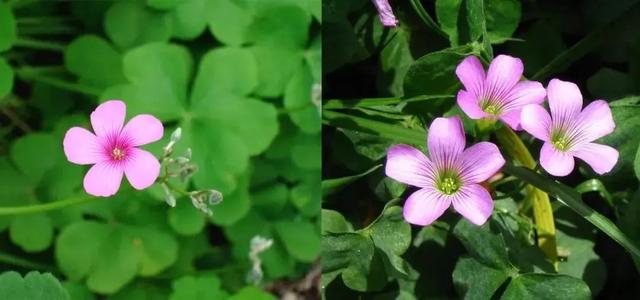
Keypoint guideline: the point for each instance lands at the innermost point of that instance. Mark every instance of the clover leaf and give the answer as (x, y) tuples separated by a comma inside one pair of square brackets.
[(33, 286), (7, 27)]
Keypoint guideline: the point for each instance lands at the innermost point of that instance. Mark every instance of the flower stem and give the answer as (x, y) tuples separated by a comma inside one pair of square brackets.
[(59, 83), (542, 211), (176, 189), (13, 260), (38, 44), (31, 209)]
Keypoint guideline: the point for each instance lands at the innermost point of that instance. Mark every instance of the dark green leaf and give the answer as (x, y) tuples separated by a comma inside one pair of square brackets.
[(546, 286)]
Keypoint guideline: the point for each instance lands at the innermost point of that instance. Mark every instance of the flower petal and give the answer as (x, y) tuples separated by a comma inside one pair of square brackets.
[(471, 73), (601, 158), (143, 129), (386, 13), (409, 165), (142, 168), (107, 119), (596, 121), (557, 163), (565, 100), (103, 179), (512, 118), (468, 102), (503, 74), (82, 147), (480, 161), (446, 139), (535, 120), (474, 203), (425, 206), (526, 92)]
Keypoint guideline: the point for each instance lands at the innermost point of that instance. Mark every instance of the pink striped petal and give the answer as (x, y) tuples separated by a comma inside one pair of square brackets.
[(103, 179), (143, 129), (107, 119), (425, 206), (474, 203), (596, 120), (409, 165), (82, 147), (468, 102), (536, 121), (480, 161), (471, 73), (601, 158), (557, 163), (446, 139), (512, 118), (526, 92), (142, 168), (503, 74), (565, 100)]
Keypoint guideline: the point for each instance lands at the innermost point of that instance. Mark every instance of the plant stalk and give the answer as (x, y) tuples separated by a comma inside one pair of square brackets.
[(542, 211), (31, 209)]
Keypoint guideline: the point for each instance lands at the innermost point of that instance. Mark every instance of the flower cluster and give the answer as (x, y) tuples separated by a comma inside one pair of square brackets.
[(451, 175)]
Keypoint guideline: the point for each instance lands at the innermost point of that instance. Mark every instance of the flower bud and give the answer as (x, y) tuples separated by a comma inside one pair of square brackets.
[(168, 196)]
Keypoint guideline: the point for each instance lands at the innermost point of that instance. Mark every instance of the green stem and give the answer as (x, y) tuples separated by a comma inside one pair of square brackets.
[(44, 30), (542, 211), (426, 18), (13, 260), (41, 20), (573, 200), (38, 44), (176, 189), (377, 128), (61, 84), (15, 119), (31, 209), (369, 102)]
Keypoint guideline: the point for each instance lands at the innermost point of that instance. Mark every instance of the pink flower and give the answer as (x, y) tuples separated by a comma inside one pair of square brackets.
[(570, 132), (452, 175), (386, 13), (499, 94), (113, 149)]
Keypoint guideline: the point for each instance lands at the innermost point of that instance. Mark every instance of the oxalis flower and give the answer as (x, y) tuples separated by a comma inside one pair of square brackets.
[(450, 176), (498, 94), (113, 151), (386, 13), (569, 132)]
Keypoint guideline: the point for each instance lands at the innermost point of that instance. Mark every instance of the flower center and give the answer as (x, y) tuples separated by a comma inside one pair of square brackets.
[(117, 154), (489, 107), (448, 183), (560, 141)]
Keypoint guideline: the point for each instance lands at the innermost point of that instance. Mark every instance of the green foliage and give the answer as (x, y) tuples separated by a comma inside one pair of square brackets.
[(7, 27), (34, 286), (197, 288)]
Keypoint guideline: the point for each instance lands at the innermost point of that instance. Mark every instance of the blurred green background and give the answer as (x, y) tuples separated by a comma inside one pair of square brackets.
[(240, 77)]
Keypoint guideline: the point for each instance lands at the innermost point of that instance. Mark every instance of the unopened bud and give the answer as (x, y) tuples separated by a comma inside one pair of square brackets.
[(175, 137), (202, 200), (168, 196), (258, 245)]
